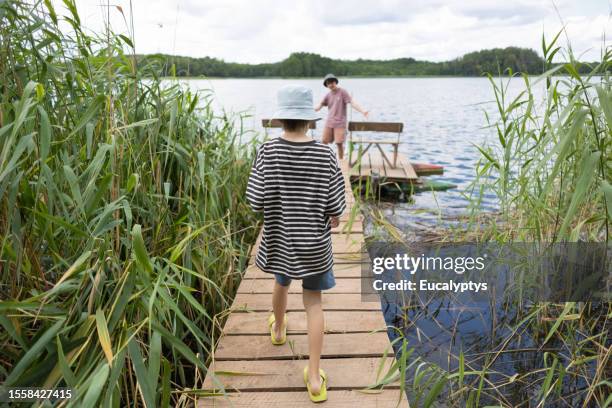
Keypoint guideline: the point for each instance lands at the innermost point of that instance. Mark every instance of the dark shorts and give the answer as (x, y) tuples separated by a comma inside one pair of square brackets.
[(322, 281)]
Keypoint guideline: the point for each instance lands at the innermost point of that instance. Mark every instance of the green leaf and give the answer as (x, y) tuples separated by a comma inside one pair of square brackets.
[(132, 182), (568, 307), (154, 357), (95, 387), (177, 344), (104, 336), (606, 189), (146, 389), (605, 100), (45, 134), (144, 122), (88, 115), (75, 267), (587, 174), (30, 356), (435, 391), (140, 251), (73, 183), (67, 373)]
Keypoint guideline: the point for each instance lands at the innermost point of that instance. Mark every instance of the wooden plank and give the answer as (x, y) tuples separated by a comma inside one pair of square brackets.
[(376, 141), (395, 127), (356, 338), (258, 302), (299, 399), (341, 270), (378, 165), (343, 285), (349, 243), (361, 163), (344, 165), (408, 169), (403, 171), (360, 155), (286, 375), (346, 321), (343, 227), (427, 169), (347, 215), (335, 345)]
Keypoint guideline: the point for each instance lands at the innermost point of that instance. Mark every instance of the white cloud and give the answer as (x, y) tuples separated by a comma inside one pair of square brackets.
[(269, 30)]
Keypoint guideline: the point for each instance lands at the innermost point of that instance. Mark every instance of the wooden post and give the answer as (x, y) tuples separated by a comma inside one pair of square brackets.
[(396, 147)]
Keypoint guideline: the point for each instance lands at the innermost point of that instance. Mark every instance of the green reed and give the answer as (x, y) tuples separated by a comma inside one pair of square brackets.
[(123, 224), (550, 169)]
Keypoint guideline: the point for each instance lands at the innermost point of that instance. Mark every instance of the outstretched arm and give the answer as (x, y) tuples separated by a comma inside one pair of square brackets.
[(358, 108), (320, 105)]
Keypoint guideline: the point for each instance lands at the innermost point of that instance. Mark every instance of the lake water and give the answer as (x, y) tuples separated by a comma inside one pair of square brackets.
[(443, 119)]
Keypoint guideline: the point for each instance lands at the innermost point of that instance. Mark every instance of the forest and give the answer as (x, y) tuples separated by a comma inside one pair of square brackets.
[(302, 64)]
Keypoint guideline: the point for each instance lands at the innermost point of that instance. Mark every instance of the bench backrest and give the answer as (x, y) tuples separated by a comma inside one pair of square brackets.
[(275, 123), (392, 127)]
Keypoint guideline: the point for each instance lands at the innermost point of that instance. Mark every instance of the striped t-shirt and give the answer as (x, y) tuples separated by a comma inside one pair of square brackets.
[(298, 186)]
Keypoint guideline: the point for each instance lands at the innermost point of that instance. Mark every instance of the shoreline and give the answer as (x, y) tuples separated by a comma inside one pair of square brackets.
[(361, 77)]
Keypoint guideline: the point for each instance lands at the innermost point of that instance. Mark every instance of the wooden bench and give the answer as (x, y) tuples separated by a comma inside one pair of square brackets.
[(275, 123), (388, 127)]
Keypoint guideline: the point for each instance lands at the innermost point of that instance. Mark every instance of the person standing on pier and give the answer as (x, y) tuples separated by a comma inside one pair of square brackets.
[(336, 100), (298, 184)]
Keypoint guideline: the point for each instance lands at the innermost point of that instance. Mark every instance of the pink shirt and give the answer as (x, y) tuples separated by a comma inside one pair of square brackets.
[(336, 107)]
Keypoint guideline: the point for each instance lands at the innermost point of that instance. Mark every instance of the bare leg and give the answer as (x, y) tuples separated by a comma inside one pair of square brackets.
[(340, 150), (279, 305), (314, 316)]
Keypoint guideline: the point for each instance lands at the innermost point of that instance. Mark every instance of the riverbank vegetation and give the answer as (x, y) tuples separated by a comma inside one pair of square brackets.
[(302, 64), (550, 169), (123, 229)]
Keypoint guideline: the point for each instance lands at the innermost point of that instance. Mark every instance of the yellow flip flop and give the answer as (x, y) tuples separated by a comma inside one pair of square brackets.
[(322, 395), (283, 339)]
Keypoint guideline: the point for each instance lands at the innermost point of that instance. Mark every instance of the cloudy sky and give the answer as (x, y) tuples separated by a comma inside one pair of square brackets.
[(269, 30)]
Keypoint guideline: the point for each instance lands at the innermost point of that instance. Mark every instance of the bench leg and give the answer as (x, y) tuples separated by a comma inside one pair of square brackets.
[(360, 155), (395, 147)]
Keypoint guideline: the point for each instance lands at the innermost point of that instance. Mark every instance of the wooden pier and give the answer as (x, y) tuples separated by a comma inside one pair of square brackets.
[(255, 373), (372, 164)]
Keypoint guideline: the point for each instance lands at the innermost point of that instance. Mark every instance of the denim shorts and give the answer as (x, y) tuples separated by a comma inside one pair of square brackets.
[(322, 281)]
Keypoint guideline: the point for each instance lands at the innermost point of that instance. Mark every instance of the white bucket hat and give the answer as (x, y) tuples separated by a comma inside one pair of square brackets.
[(295, 102)]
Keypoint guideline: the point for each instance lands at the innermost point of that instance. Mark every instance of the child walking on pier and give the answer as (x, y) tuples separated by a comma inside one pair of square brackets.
[(297, 182), (336, 100)]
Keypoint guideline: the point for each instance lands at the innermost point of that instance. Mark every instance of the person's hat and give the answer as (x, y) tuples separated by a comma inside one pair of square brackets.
[(328, 77), (295, 102)]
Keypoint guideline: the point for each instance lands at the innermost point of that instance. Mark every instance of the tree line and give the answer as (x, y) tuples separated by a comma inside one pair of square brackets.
[(303, 64)]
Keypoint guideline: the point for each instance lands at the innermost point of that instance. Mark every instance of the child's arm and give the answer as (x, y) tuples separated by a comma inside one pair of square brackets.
[(321, 104), (255, 186), (335, 221), (336, 202), (358, 108)]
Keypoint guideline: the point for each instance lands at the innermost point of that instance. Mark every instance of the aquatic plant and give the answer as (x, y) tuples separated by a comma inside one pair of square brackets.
[(550, 169), (122, 229)]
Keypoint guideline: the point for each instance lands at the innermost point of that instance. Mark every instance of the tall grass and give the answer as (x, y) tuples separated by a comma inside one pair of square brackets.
[(122, 225), (550, 168)]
